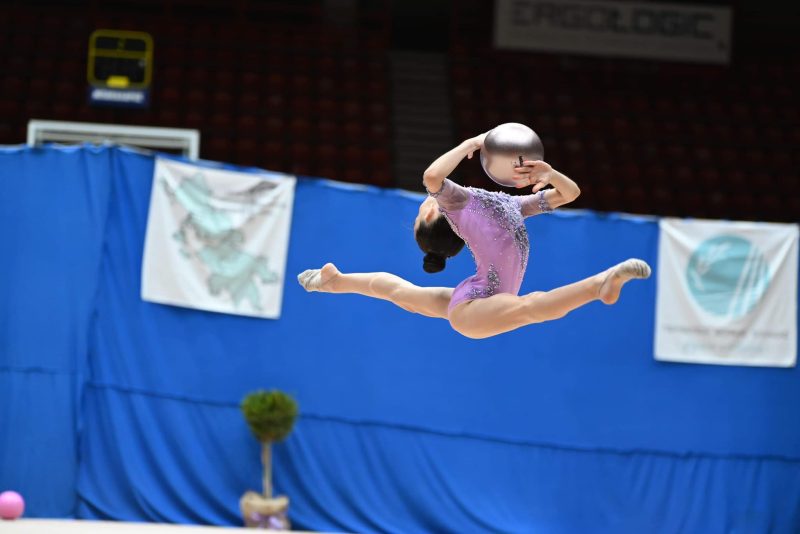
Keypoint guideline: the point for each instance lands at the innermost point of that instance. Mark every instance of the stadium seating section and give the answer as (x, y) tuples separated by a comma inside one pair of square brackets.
[(280, 88)]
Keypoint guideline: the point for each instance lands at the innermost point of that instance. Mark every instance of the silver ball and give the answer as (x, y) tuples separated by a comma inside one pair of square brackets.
[(504, 146)]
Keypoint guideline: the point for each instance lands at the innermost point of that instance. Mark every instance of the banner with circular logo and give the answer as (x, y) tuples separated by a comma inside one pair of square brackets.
[(727, 293)]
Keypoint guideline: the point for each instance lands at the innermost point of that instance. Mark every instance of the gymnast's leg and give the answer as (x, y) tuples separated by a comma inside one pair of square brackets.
[(429, 301), (481, 318)]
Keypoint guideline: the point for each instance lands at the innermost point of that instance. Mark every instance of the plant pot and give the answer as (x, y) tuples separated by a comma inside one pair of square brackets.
[(261, 512)]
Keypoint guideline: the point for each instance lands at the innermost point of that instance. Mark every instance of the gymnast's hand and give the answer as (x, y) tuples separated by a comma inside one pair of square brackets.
[(476, 143), (536, 173)]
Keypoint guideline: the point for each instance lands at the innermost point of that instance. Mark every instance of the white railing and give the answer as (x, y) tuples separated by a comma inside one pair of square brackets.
[(186, 140)]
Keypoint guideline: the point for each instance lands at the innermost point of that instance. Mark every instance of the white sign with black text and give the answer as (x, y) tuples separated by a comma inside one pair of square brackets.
[(663, 31)]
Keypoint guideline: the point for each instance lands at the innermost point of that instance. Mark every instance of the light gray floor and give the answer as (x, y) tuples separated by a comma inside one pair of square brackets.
[(53, 526)]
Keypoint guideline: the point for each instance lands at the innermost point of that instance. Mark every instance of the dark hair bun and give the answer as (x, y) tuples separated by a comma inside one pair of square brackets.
[(433, 263)]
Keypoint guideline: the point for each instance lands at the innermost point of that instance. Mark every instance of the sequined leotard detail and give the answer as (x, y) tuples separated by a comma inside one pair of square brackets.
[(493, 227)]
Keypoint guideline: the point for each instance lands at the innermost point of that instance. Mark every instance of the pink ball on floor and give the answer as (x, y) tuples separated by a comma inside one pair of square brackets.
[(11, 505)]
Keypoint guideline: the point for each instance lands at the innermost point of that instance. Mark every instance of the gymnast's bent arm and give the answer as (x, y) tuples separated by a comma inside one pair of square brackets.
[(434, 175), (540, 174)]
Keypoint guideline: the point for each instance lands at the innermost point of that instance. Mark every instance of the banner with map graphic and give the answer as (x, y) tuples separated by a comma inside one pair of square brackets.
[(727, 293), (217, 239)]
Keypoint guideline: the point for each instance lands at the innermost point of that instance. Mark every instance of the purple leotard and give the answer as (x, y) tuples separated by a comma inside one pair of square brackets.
[(493, 227)]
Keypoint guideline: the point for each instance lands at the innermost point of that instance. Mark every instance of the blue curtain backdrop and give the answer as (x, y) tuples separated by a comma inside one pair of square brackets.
[(114, 408)]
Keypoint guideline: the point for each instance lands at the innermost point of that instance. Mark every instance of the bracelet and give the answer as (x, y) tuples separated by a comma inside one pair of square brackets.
[(437, 193), (544, 207)]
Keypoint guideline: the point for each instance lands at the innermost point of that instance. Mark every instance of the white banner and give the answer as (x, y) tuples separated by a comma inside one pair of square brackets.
[(727, 293), (216, 239), (606, 28)]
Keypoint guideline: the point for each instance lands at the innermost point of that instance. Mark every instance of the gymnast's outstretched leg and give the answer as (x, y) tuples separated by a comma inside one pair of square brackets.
[(429, 301), (481, 318)]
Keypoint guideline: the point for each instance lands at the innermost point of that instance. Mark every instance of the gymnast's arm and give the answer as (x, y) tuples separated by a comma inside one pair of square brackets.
[(434, 175), (540, 174)]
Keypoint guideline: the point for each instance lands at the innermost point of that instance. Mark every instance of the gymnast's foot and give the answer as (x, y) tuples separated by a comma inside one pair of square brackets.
[(613, 279), (319, 279)]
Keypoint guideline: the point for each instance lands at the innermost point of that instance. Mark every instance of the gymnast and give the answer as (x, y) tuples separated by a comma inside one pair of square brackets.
[(492, 225)]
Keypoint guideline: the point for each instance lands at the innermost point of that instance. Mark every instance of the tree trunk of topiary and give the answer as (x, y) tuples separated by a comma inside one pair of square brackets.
[(266, 460)]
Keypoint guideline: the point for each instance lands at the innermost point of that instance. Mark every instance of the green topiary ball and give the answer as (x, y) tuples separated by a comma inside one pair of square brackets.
[(270, 414)]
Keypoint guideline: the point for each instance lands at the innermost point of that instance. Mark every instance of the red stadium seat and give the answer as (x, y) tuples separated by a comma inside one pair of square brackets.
[(224, 56), (792, 207), (693, 203), (737, 179), (8, 109), (221, 122), (325, 86), (168, 116), (273, 155), (325, 152), (197, 78), (248, 102), (328, 131), (13, 86), (172, 56), (40, 88), (664, 200), (327, 65), (275, 128), (609, 197), (327, 108), (378, 111), (251, 82), (222, 101), (353, 132), (355, 175), (727, 157), (247, 125), (380, 176), (379, 158), (195, 118), (351, 109), (770, 207), (168, 97), (709, 179), (248, 151), (761, 180), (217, 148), (224, 80), (741, 111), (637, 200), (753, 158), (327, 169), (196, 99), (300, 152), (743, 206), (629, 173), (276, 104), (789, 183), (302, 105), (773, 135), (301, 85), (353, 156), (300, 129), (171, 75), (276, 82)]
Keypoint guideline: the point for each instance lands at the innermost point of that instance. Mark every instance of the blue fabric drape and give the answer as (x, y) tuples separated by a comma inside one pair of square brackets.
[(569, 426), (53, 205)]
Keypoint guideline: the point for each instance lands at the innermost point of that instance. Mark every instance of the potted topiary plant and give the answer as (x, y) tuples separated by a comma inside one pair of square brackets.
[(271, 416)]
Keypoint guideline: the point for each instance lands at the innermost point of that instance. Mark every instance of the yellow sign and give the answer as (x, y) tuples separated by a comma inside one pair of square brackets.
[(120, 59)]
